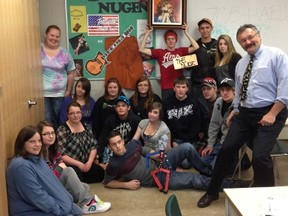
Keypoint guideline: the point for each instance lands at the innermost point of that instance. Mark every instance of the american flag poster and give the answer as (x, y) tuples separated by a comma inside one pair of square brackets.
[(103, 25)]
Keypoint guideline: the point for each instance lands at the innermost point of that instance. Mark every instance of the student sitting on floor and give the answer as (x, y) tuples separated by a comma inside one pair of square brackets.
[(79, 190), (32, 188), (128, 163)]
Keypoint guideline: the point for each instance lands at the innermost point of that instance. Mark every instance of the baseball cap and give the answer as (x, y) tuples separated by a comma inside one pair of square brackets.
[(207, 20), (124, 99), (227, 82), (209, 81)]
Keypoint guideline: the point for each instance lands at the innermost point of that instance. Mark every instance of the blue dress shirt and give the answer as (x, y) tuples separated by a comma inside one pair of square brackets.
[(269, 78)]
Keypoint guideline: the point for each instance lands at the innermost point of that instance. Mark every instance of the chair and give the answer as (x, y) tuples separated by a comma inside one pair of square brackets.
[(172, 207), (241, 154), (280, 149)]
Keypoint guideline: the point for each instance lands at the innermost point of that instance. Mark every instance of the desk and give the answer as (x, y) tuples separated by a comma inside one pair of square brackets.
[(260, 201)]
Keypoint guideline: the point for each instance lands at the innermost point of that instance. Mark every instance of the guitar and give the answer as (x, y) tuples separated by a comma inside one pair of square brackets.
[(95, 66)]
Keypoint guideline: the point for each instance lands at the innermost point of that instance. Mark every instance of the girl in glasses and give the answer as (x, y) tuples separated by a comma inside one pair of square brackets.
[(143, 97), (32, 187), (67, 176)]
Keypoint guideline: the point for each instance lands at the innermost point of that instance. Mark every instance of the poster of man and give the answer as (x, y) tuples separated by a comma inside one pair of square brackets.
[(167, 11)]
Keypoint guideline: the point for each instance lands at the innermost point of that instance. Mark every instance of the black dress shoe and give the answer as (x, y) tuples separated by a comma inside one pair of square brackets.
[(206, 200)]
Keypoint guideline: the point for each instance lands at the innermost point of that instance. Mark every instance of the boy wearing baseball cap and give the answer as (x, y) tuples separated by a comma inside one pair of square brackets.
[(221, 111), (165, 57), (205, 56), (124, 121), (206, 103)]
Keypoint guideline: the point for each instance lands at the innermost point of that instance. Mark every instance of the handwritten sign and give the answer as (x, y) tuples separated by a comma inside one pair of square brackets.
[(185, 62)]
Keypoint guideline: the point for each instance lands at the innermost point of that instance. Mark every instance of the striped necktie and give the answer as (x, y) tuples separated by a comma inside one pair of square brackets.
[(246, 78)]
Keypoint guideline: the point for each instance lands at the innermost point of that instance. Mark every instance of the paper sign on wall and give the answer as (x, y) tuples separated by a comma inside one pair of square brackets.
[(185, 62)]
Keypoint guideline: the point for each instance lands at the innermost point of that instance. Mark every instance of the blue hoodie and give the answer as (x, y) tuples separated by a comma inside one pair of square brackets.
[(33, 189)]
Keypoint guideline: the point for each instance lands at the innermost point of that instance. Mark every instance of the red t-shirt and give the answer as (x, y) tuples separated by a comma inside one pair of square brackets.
[(165, 61)]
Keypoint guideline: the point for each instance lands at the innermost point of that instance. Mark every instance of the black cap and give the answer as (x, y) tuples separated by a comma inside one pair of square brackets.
[(227, 82)]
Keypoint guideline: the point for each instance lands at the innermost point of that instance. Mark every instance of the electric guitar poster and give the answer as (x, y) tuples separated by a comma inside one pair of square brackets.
[(95, 66)]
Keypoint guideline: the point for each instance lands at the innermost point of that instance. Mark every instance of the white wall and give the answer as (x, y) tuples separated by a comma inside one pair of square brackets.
[(52, 12)]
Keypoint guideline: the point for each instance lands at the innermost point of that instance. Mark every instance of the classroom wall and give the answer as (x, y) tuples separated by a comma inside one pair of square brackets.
[(271, 17)]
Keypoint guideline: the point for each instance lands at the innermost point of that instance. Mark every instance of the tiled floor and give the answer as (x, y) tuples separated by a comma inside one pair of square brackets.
[(149, 201)]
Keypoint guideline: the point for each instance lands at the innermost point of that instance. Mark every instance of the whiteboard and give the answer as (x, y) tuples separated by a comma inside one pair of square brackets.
[(270, 17)]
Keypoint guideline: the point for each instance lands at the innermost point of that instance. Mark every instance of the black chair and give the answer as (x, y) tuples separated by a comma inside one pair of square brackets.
[(172, 207), (280, 149)]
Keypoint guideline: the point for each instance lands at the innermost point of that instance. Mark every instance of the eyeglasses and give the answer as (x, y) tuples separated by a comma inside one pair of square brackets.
[(250, 37), (143, 85), (49, 133), (75, 113)]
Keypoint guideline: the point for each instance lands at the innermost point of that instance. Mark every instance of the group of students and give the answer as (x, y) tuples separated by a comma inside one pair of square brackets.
[(40, 183), (108, 140), (71, 150)]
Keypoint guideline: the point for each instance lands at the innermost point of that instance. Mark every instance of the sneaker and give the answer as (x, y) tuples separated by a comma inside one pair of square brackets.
[(96, 206)]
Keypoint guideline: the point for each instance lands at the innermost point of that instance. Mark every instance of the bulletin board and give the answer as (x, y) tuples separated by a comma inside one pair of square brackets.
[(96, 28)]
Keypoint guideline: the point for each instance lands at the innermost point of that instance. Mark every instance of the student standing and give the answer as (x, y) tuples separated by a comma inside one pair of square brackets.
[(58, 72), (260, 110), (226, 59), (165, 57), (205, 56)]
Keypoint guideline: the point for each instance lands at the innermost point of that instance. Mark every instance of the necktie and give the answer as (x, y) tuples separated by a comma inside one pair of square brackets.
[(246, 78)]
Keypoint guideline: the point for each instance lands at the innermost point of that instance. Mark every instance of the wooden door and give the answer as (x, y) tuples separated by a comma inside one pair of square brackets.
[(20, 78)]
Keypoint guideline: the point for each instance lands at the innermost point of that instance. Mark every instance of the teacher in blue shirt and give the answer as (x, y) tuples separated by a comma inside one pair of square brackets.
[(260, 110)]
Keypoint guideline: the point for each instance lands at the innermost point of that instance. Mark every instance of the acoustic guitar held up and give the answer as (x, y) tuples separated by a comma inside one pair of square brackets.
[(95, 66)]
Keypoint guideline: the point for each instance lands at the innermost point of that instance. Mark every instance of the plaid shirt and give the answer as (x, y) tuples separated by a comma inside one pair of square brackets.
[(76, 145)]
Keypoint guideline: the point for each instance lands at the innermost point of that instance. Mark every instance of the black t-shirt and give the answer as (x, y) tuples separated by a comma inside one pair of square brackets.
[(225, 107), (206, 60)]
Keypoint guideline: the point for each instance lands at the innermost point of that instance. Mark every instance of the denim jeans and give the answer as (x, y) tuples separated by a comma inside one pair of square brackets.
[(52, 109), (211, 158), (182, 180), (185, 164)]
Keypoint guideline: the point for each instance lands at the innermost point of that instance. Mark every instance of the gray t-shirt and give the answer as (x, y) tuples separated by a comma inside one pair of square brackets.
[(158, 141)]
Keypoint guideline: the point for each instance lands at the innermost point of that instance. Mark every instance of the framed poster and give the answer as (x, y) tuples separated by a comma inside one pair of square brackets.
[(167, 13)]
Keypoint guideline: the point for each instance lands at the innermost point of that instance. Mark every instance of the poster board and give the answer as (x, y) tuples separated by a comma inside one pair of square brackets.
[(91, 22)]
